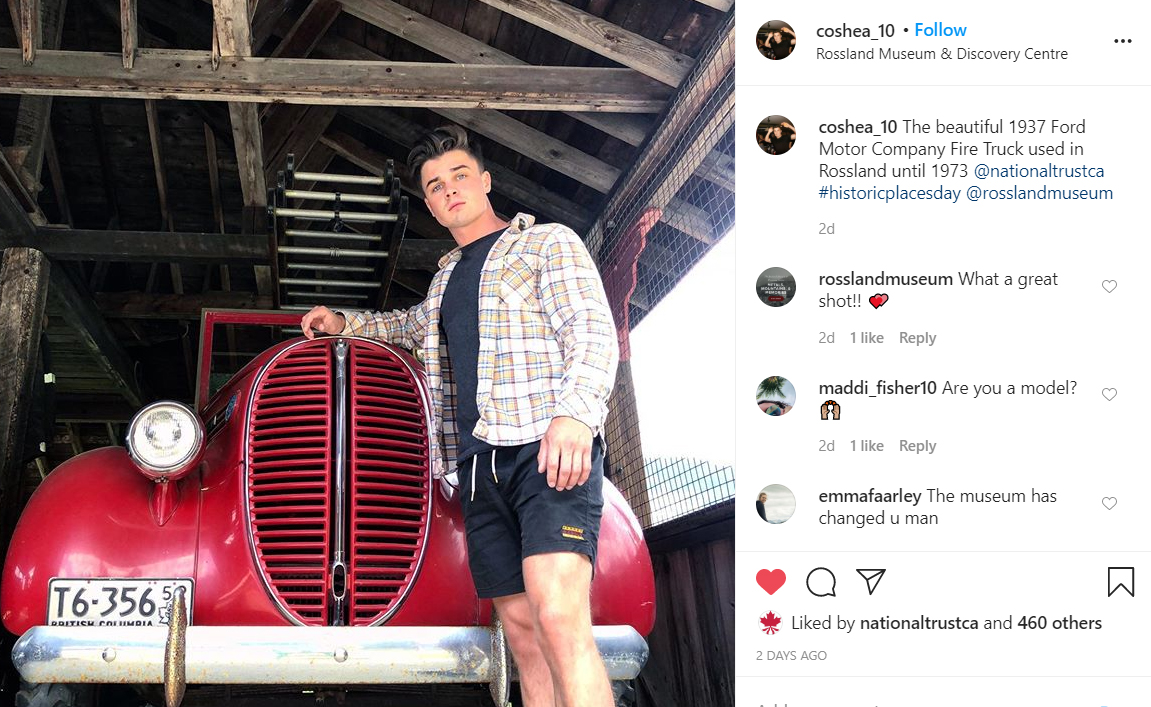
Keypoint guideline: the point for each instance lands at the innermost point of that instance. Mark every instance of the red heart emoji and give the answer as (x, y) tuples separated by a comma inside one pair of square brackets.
[(878, 301), (770, 580)]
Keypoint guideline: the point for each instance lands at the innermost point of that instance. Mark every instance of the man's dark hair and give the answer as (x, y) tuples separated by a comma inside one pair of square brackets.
[(436, 142)]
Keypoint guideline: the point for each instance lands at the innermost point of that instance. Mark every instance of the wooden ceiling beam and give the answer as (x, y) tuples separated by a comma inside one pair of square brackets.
[(187, 75), (141, 305), (460, 48), (602, 37), (142, 246)]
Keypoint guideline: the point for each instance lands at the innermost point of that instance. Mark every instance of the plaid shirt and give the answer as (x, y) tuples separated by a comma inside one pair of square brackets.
[(548, 345)]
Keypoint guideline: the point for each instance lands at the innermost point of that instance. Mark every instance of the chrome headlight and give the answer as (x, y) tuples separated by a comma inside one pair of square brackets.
[(166, 440)]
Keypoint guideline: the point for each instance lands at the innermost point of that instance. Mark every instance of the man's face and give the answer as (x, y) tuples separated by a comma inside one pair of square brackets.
[(455, 189), (762, 497), (777, 131)]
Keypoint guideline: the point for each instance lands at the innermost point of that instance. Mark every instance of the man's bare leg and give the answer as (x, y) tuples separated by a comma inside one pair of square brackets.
[(519, 627), (559, 593)]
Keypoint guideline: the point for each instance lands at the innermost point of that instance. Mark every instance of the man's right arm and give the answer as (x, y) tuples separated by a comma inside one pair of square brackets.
[(404, 327)]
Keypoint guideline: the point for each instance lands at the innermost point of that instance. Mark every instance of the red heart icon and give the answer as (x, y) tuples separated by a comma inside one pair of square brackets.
[(770, 580), (878, 301)]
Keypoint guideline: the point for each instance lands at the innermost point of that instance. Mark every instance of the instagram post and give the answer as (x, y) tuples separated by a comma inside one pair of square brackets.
[(390, 352), (370, 352)]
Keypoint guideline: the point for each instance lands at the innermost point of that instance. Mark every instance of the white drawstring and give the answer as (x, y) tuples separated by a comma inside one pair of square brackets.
[(474, 458)]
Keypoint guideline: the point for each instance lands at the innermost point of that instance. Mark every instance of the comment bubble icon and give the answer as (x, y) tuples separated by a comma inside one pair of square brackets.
[(821, 582)]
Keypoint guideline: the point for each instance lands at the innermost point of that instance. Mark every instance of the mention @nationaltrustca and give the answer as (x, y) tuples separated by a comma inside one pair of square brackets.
[(962, 53)]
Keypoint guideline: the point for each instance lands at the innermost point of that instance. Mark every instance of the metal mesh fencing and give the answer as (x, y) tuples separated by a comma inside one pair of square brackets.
[(661, 219)]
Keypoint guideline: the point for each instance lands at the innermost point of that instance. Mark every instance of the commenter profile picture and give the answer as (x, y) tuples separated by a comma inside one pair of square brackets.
[(775, 396), (775, 287), (775, 134), (775, 40), (775, 504)]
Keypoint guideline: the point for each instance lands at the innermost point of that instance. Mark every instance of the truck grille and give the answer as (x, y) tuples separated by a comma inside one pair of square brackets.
[(292, 481)]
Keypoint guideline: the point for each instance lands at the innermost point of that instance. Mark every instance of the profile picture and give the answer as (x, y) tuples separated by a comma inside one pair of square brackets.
[(775, 134), (775, 396), (775, 287), (775, 504), (775, 40)]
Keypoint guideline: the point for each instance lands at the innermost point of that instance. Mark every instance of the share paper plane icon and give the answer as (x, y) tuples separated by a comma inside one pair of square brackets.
[(872, 578)]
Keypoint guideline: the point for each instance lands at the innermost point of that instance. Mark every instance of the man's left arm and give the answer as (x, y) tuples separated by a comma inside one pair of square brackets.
[(572, 295)]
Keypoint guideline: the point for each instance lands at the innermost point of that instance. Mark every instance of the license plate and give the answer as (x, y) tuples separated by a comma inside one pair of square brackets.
[(114, 602)]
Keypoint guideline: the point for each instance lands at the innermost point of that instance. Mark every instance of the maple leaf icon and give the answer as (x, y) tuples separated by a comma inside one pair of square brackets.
[(770, 623)]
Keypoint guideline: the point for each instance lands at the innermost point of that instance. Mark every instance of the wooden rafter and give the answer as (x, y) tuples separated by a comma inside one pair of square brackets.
[(29, 30), (504, 180), (32, 118), (313, 22), (57, 176), (460, 48), (187, 75), (232, 43), (721, 5), (129, 34), (162, 186), (602, 37), (89, 326), (158, 163), (304, 132), (689, 132)]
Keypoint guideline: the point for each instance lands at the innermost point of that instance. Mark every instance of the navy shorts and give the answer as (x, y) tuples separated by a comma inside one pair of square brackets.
[(515, 514)]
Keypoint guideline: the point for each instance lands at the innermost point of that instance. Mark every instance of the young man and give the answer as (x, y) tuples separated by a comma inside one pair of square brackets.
[(520, 352)]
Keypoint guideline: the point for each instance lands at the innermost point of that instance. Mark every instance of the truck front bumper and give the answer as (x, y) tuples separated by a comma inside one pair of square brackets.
[(292, 654)]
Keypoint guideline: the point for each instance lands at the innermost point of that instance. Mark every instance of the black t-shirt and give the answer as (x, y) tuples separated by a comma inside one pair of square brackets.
[(782, 143), (460, 324)]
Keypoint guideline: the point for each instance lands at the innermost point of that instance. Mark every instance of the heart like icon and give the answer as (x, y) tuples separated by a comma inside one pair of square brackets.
[(1109, 502), (878, 301), (1110, 285), (770, 580), (1110, 393)]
